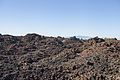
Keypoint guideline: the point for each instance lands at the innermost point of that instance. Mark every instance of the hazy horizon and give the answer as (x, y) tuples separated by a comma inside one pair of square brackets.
[(60, 17)]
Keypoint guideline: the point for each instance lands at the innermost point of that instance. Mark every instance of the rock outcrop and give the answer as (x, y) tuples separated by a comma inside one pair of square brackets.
[(36, 57)]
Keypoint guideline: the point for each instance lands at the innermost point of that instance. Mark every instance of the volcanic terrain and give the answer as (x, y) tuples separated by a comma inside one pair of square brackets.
[(36, 57)]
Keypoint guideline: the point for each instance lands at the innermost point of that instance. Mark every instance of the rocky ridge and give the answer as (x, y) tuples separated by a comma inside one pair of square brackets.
[(36, 57)]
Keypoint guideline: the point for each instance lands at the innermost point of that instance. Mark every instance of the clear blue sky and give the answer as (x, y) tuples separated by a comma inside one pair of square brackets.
[(60, 17)]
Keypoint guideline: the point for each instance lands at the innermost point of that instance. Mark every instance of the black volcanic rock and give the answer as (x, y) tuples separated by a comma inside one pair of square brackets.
[(36, 57)]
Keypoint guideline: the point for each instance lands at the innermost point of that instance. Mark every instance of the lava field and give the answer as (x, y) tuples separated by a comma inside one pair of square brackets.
[(37, 57)]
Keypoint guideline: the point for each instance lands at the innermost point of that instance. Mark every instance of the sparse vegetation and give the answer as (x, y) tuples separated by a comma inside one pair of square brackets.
[(110, 39)]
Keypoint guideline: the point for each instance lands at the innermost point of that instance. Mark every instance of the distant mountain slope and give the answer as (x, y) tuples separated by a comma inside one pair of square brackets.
[(80, 37), (83, 37)]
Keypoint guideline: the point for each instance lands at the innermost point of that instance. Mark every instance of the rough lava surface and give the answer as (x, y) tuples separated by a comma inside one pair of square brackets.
[(36, 57)]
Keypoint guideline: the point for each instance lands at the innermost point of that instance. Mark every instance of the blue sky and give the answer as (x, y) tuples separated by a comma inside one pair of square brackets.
[(60, 17)]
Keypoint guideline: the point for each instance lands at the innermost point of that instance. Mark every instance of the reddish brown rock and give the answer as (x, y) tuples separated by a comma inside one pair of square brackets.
[(36, 57)]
